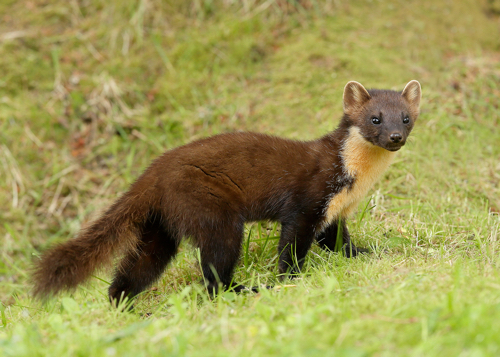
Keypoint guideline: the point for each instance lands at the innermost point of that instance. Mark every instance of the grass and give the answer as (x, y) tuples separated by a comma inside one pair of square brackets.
[(92, 91)]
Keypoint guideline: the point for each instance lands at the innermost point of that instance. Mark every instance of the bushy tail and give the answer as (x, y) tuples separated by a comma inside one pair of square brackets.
[(69, 264)]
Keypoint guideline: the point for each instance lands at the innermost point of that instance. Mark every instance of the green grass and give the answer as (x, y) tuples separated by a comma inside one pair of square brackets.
[(92, 91)]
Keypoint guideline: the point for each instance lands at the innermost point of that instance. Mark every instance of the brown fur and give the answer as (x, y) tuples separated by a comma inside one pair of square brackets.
[(207, 189)]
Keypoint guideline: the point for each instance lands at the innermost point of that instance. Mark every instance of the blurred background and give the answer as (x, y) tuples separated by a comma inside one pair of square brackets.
[(91, 91)]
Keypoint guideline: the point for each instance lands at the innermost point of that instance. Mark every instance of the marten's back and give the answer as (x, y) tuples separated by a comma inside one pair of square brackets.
[(249, 173)]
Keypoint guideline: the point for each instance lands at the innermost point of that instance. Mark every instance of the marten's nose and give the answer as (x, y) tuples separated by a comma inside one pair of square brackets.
[(396, 137)]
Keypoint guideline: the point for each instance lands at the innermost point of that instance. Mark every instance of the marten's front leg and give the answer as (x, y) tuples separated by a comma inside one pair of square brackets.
[(296, 238), (328, 239)]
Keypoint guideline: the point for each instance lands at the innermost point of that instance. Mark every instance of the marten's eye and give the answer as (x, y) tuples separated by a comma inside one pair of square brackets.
[(406, 119), (376, 120)]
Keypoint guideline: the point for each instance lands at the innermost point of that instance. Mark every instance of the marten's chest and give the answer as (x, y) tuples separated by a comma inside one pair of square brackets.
[(364, 163)]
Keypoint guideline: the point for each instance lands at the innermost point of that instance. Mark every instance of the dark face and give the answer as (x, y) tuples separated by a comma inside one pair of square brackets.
[(387, 120)]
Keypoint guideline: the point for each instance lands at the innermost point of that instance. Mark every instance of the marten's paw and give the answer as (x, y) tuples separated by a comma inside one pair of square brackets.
[(352, 251), (254, 289), (213, 289)]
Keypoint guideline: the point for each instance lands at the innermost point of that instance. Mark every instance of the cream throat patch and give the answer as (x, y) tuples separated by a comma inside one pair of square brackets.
[(364, 163)]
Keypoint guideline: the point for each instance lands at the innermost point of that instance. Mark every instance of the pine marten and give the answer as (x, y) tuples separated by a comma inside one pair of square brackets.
[(208, 189)]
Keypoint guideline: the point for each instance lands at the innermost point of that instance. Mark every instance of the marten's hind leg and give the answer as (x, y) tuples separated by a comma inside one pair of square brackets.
[(141, 268), (220, 251)]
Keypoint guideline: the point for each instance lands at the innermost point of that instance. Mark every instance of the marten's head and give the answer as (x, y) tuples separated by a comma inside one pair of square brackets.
[(384, 117)]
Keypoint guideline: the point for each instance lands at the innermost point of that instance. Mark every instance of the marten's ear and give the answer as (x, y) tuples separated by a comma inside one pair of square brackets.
[(412, 93), (355, 96)]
